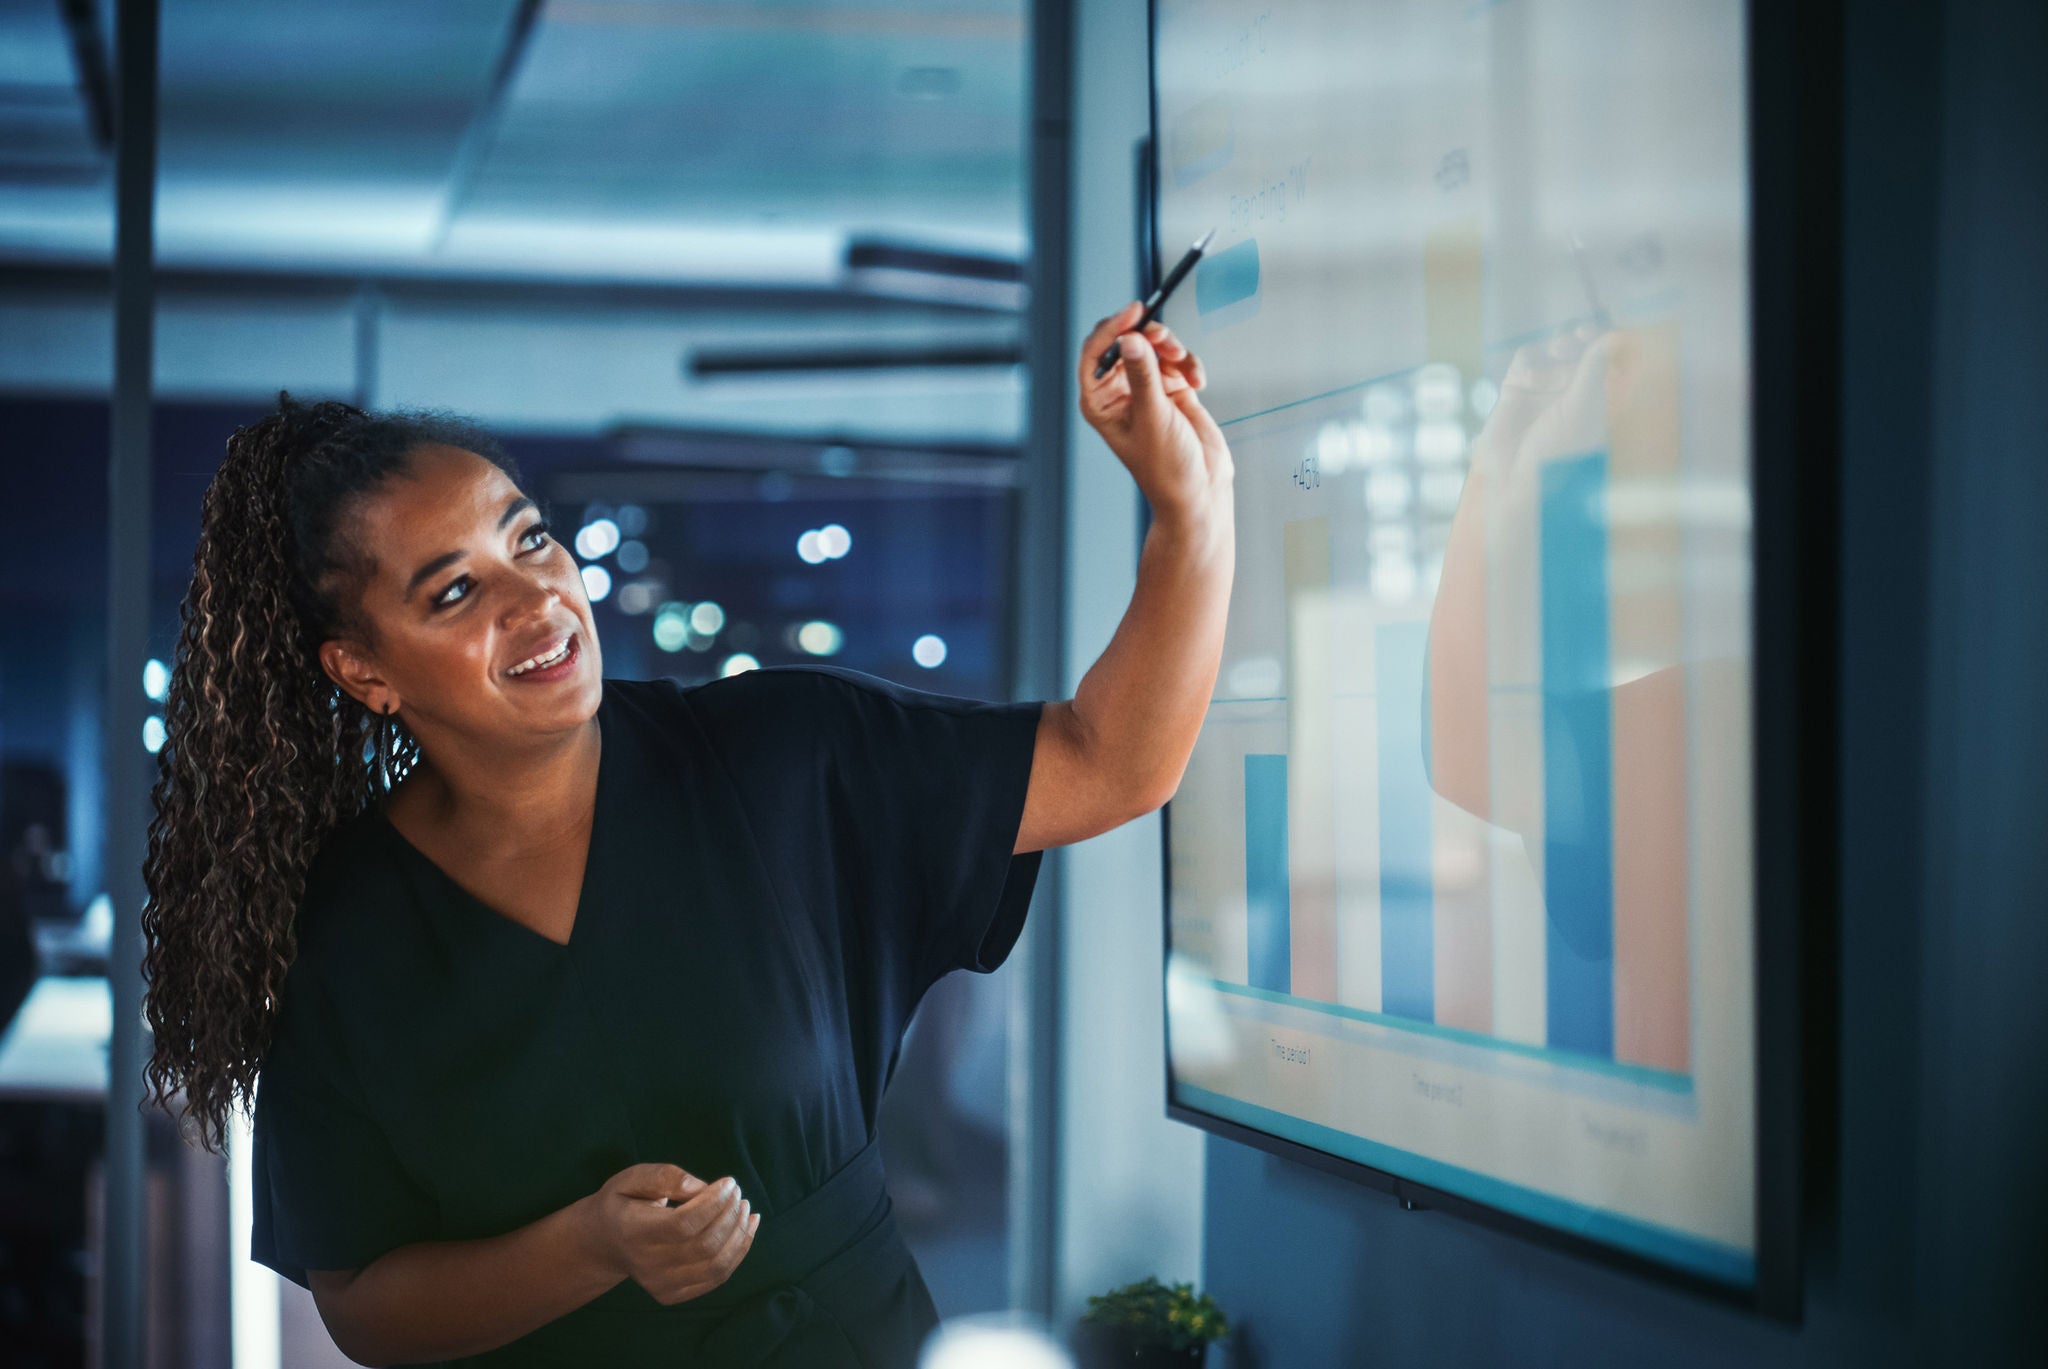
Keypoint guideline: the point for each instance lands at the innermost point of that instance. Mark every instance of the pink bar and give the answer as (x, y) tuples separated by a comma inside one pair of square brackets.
[(1312, 945), (1652, 995), (1458, 743), (1453, 269)]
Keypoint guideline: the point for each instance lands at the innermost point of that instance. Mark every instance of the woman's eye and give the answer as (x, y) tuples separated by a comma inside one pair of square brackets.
[(443, 600)]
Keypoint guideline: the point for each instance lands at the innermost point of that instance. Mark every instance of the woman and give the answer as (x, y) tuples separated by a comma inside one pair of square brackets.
[(573, 998)]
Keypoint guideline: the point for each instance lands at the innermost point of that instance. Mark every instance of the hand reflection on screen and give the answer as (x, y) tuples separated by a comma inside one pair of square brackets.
[(1562, 704), (1589, 391), (1555, 405)]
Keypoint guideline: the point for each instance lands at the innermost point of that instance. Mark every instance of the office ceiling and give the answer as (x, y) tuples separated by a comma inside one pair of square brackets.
[(712, 141)]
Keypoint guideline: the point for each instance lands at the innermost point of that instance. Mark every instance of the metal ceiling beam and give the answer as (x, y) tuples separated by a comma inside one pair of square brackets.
[(476, 139), (834, 454), (30, 277), (715, 362), (89, 57)]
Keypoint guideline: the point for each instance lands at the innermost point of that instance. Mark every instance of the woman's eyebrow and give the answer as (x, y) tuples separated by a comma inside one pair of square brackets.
[(519, 501)]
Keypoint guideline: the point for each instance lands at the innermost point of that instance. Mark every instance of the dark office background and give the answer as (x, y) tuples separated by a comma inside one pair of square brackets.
[(789, 388)]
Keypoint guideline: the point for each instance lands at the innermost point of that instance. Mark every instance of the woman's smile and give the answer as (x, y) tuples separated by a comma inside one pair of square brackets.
[(557, 662)]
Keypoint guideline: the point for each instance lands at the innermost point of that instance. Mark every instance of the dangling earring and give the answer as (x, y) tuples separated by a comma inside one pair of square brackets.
[(384, 748)]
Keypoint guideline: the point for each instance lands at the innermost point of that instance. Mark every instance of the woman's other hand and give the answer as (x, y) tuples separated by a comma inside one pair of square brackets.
[(675, 1253), (1147, 411)]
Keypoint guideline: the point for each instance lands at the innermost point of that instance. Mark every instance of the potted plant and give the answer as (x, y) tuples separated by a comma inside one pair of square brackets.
[(1149, 1325)]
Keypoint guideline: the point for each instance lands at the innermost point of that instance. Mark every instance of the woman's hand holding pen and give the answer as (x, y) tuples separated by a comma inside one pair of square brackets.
[(1147, 411), (1122, 742), (675, 1253)]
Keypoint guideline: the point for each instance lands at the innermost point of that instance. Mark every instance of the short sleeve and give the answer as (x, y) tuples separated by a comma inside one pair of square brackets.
[(327, 1187), (924, 795)]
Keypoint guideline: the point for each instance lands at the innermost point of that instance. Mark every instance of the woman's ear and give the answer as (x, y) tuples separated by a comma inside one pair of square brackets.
[(351, 668)]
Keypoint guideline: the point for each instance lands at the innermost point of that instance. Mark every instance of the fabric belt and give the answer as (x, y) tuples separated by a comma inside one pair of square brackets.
[(826, 1275)]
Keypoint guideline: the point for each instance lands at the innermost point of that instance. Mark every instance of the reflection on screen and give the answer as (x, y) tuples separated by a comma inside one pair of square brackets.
[(1460, 879)]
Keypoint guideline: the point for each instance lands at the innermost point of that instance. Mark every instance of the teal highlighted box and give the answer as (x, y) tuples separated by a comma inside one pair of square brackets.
[(1227, 277)]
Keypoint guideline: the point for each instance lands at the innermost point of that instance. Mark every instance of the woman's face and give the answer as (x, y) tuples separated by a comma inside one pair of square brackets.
[(464, 586)]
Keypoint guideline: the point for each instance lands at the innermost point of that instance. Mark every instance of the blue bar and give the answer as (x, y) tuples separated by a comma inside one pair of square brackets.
[(1224, 278), (1578, 760), (1268, 944), (1407, 874)]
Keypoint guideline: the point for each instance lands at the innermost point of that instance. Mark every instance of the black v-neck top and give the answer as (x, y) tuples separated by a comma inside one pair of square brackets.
[(781, 863)]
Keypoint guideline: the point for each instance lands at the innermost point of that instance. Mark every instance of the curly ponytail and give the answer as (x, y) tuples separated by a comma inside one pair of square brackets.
[(263, 754)]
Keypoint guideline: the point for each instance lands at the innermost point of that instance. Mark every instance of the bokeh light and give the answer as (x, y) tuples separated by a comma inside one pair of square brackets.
[(824, 544), (820, 638), (636, 596), (672, 626), (597, 539)]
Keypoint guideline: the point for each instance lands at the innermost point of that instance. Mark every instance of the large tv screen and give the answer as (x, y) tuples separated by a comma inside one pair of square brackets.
[(1460, 876)]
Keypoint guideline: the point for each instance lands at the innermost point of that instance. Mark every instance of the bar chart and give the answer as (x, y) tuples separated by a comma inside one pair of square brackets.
[(1365, 887)]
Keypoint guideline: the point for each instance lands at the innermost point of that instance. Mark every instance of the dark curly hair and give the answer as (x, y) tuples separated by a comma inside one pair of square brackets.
[(263, 754)]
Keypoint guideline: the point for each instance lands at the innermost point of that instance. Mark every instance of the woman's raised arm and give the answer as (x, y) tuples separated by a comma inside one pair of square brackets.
[(1119, 747)]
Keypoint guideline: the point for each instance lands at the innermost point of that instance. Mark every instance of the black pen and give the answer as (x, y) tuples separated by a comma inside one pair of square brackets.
[(1157, 301)]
